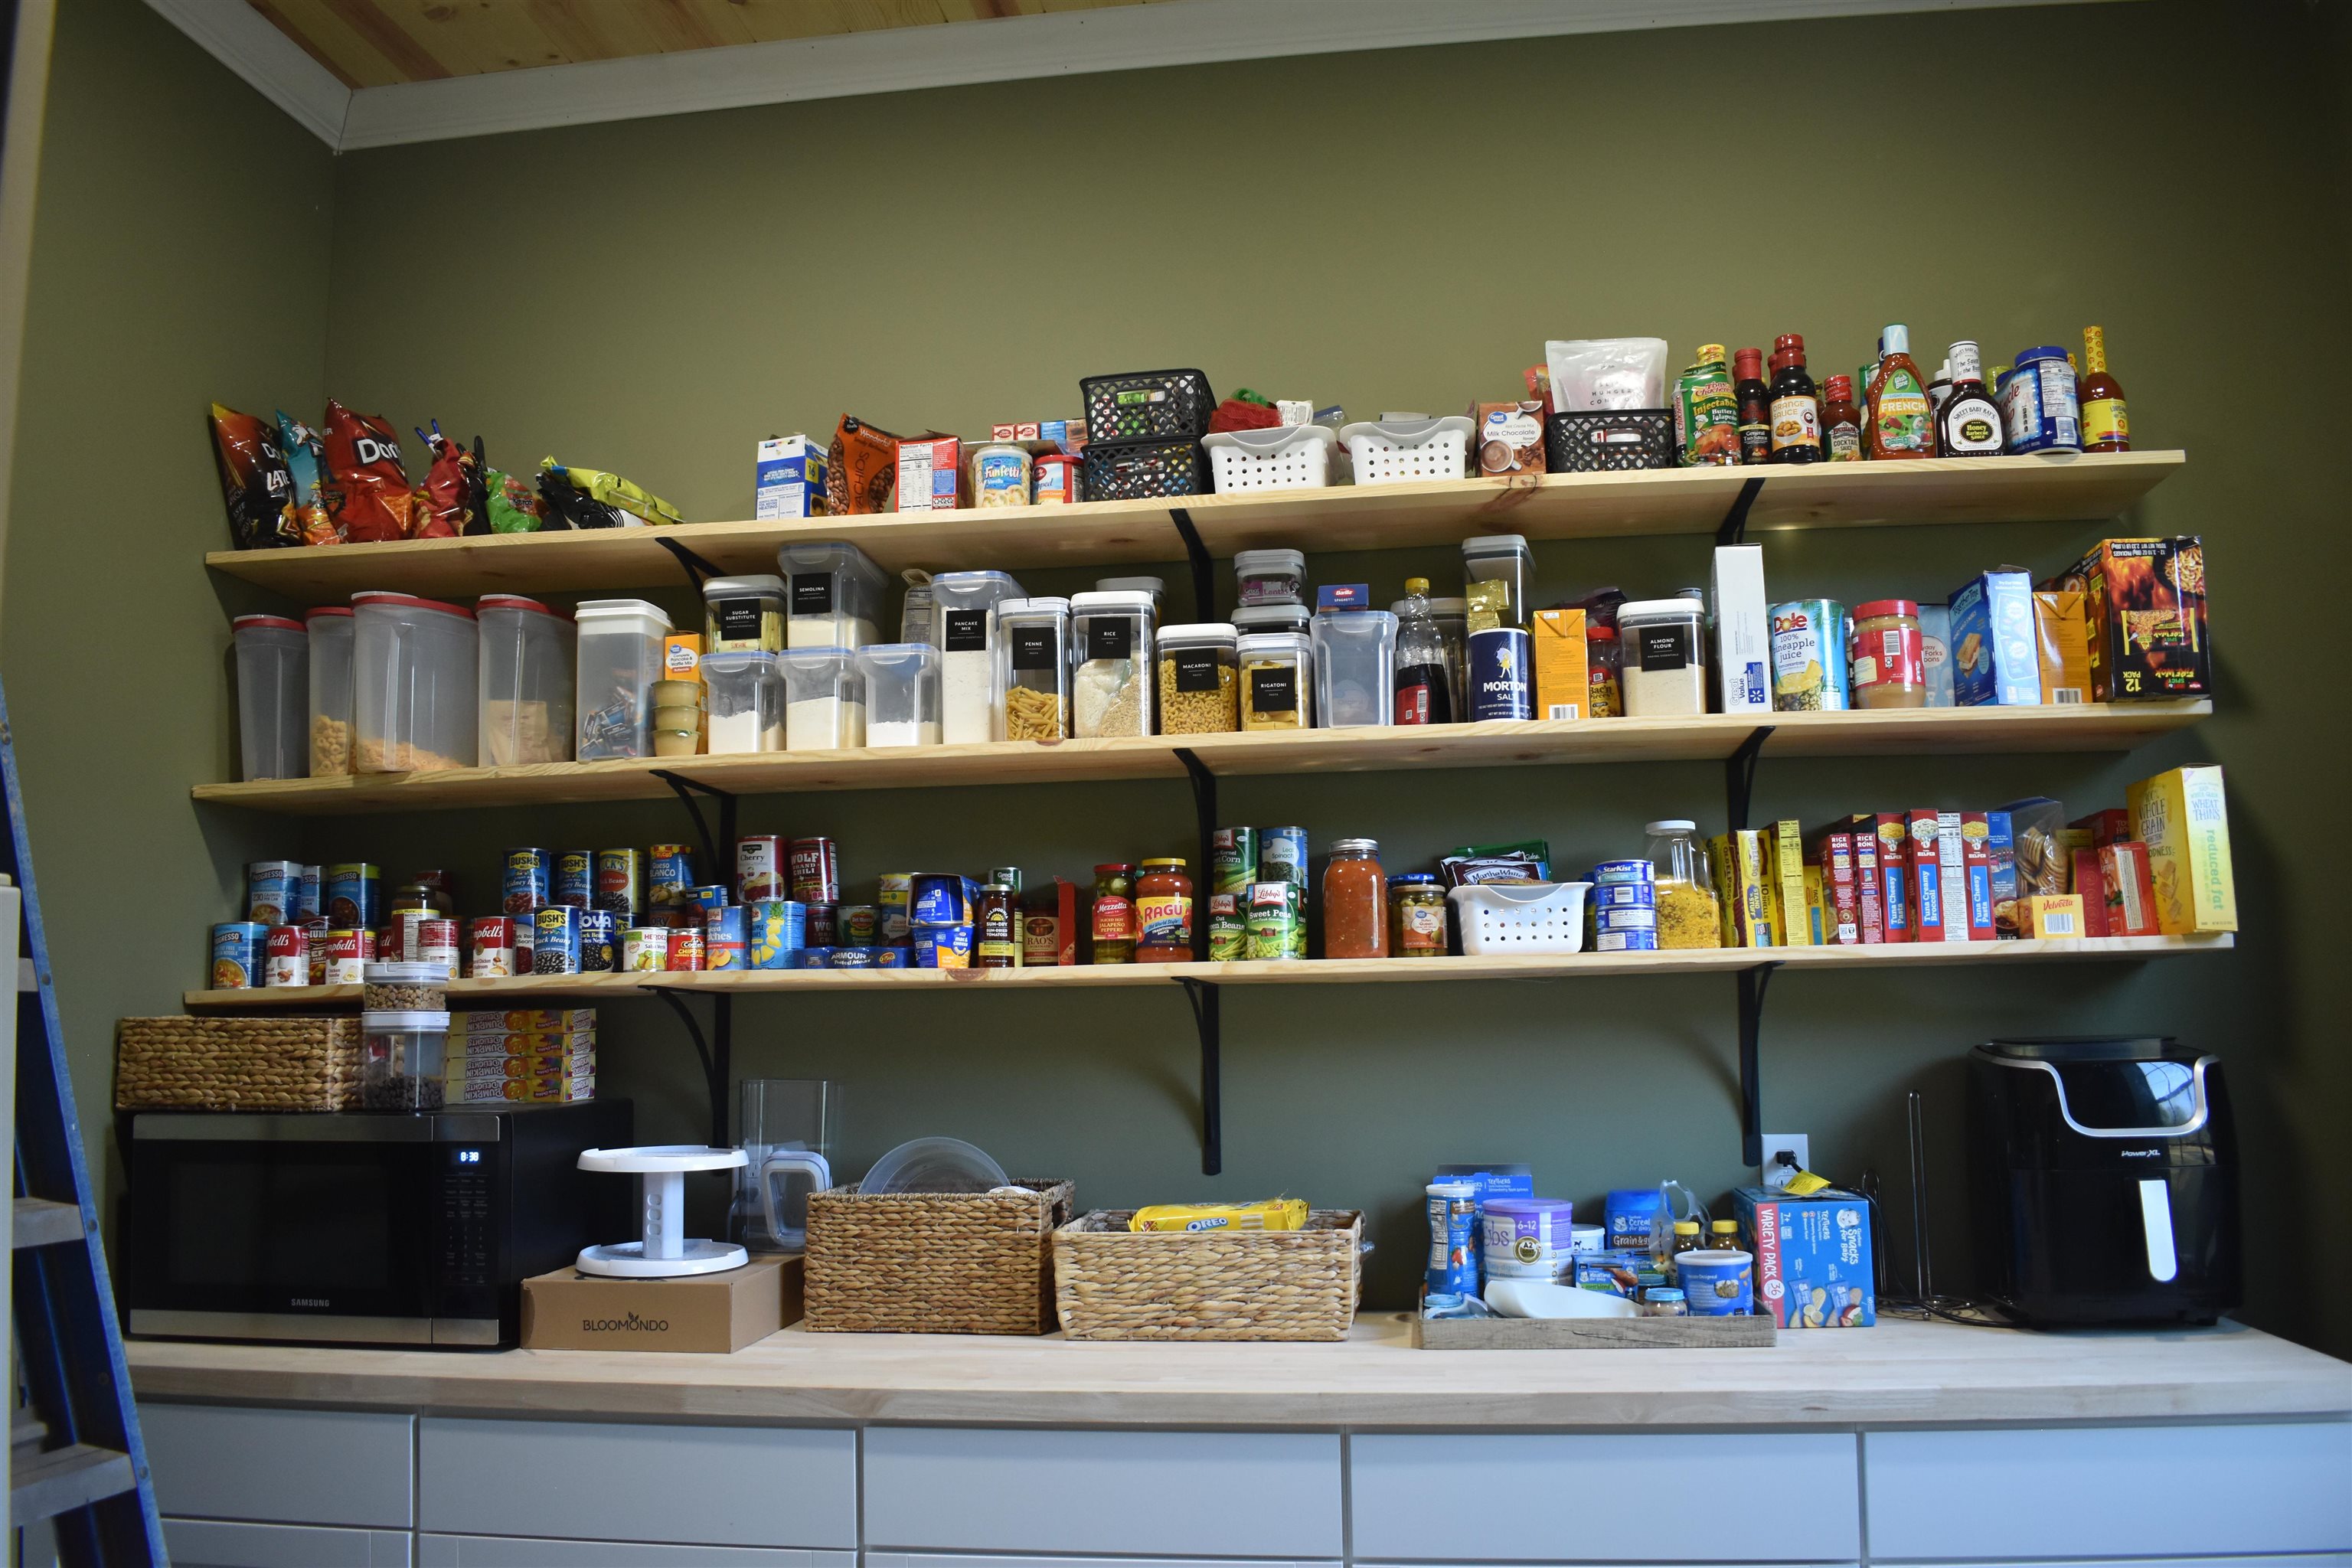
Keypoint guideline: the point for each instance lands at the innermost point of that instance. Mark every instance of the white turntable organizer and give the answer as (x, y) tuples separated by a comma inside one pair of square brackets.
[(664, 1252)]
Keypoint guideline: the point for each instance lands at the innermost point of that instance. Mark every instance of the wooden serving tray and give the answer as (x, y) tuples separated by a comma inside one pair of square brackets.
[(1590, 1334)]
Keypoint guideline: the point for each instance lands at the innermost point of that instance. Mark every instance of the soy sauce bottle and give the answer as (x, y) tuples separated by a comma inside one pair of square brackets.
[(1796, 403), (1755, 406)]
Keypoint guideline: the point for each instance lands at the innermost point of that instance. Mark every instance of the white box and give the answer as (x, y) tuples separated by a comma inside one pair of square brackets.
[(1743, 629), (790, 480)]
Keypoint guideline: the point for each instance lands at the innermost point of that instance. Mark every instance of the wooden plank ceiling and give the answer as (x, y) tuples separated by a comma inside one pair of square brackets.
[(378, 43)]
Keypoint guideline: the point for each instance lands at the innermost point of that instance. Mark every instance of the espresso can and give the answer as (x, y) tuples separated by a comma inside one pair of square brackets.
[(596, 929), (816, 870), (575, 878), (493, 947), (555, 941), (286, 951), (759, 868), (723, 932), (670, 871), (620, 881), (684, 948), (528, 884)]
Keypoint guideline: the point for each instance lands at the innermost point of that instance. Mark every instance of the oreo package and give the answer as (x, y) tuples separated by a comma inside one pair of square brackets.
[(255, 484), (305, 462), (368, 494)]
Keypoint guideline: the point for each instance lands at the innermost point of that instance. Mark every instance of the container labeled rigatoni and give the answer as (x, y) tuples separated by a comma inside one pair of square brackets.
[(1277, 680)]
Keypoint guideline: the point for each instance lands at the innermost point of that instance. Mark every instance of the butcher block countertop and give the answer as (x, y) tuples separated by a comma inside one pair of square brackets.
[(1898, 1373)]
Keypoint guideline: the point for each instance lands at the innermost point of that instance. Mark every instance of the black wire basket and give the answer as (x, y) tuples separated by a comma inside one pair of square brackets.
[(1146, 404), (1610, 441), (1142, 470)]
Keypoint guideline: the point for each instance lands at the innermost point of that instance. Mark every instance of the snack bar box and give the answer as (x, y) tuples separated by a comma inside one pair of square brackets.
[(1813, 1264)]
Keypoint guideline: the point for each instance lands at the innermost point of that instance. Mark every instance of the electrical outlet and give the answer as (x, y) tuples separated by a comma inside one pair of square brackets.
[(1796, 1145)]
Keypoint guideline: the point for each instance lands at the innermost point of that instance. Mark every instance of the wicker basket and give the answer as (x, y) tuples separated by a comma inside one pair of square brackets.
[(1111, 1283), (934, 1263), (275, 1063)]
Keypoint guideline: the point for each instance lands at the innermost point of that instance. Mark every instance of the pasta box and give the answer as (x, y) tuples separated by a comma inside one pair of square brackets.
[(1813, 1259)]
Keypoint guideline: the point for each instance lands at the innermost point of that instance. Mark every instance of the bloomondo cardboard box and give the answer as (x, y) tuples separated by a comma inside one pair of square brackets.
[(569, 1311)]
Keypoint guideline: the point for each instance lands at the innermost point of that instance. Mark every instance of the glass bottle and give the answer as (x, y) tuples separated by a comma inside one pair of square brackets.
[(1163, 913), (1355, 901), (1113, 914), (996, 929), (1723, 1235), (1755, 406), (1684, 888), (1425, 690), (2106, 426), (1604, 659), (1841, 421), (1900, 422), (1968, 424), (1686, 1237), (1796, 404), (1940, 391)]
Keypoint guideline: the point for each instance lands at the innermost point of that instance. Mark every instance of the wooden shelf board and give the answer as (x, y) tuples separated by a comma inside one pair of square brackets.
[(523, 990), (1705, 738), (1315, 971), (2058, 486)]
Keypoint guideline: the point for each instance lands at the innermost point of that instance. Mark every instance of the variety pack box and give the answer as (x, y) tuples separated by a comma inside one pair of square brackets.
[(790, 479), (1996, 657), (1563, 671), (2144, 606), (2183, 818), (1813, 1262)]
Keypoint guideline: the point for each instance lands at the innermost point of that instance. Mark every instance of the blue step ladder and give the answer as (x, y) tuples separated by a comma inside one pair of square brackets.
[(75, 1457)]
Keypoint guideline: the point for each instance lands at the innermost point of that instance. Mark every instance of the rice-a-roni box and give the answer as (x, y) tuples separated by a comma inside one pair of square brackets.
[(1813, 1263)]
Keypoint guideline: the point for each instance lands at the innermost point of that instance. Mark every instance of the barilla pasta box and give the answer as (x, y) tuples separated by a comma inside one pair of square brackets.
[(1996, 658), (1813, 1268), (1563, 674), (2183, 818), (790, 479)]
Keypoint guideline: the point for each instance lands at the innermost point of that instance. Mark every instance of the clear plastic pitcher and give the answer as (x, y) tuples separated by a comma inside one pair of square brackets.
[(273, 696), (526, 696)]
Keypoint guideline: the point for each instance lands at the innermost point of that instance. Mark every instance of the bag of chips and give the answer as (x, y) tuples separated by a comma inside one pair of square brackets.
[(368, 495), (477, 492), (614, 492), (255, 484), (306, 460), (510, 505), (445, 510)]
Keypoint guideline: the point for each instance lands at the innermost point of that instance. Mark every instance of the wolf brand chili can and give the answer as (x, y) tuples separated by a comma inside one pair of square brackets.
[(686, 948), (723, 937), (670, 871), (620, 881), (556, 940), (528, 884), (823, 923), (815, 869), (596, 929), (349, 952), (354, 895), (897, 893), (288, 952), (575, 878), (236, 954), (759, 868), (494, 947), (271, 889), (436, 942), (645, 950)]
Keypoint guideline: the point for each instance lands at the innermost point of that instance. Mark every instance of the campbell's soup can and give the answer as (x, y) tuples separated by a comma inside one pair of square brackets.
[(645, 950), (555, 941), (759, 867), (597, 947), (684, 948), (823, 925), (620, 881), (528, 884), (670, 871), (724, 934), (236, 954), (575, 878), (349, 952), (436, 942), (815, 871), (286, 951), (494, 947)]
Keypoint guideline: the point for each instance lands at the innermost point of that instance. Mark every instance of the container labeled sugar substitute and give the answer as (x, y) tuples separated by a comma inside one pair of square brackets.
[(670, 871), (575, 878), (759, 868), (237, 954), (528, 883), (596, 947), (493, 948), (555, 942), (288, 955)]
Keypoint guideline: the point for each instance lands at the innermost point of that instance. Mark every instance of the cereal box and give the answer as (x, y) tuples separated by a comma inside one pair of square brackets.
[(1870, 883), (1900, 907), (2182, 817), (1563, 675), (788, 480), (1994, 658), (1952, 878), (2062, 641), (1813, 1259), (2144, 609), (1975, 869)]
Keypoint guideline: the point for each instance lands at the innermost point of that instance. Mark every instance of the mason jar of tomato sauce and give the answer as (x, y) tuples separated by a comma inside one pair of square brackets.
[(1355, 901)]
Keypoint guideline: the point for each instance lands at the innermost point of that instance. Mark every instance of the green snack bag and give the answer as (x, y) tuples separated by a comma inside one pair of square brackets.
[(513, 506)]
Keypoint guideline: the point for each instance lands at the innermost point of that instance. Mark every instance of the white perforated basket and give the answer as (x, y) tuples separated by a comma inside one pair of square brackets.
[(1393, 451), (1497, 921), (1287, 458)]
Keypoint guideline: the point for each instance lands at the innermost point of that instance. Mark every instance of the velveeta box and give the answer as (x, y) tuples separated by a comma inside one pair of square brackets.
[(1563, 674), (2183, 819), (1813, 1266)]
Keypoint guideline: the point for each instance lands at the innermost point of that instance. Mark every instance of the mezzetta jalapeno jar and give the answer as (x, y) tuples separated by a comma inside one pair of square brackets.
[(1113, 914)]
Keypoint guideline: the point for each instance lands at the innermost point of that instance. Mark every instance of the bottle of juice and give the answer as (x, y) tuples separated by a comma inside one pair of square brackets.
[(1900, 421), (2106, 426)]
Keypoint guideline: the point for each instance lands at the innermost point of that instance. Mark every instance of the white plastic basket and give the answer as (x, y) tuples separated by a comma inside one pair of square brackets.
[(1287, 458), (1497, 921), (1393, 452)]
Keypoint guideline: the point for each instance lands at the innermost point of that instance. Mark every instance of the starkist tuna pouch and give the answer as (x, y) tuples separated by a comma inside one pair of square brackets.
[(306, 460), (255, 483), (369, 497)]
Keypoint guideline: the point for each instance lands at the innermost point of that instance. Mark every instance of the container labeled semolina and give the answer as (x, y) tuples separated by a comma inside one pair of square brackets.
[(1199, 680)]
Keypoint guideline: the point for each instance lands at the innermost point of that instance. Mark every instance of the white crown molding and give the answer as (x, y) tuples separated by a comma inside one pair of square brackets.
[(272, 64), (900, 59)]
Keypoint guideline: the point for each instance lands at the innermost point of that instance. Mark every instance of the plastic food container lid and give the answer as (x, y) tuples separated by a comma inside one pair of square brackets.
[(814, 658), (1659, 610), (888, 654), (1671, 825), (619, 609), (256, 623), (1107, 601), (1152, 587), (399, 971), (1251, 618), (1210, 634), (1876, 608), (1265, 562), (1297, 643), (2035, 356), (425, 1023), (1487, 544), (411, 602), (835, 553), (758, 582), (515, 602), (326, 610), (1048, 605), (953, 580), (732, 661)]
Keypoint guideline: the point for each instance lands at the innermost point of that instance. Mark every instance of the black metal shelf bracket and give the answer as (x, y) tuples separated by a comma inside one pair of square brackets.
[(1733, 529), (718, 1051), (686, 789), (695, 567), (1202, 994), (1740, 776), (1752, 982), (1204, 581)]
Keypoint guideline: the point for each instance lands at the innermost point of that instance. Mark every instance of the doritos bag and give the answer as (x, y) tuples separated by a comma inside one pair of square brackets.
[(255, 483), (306, 459), (369, 495), (448, 489)]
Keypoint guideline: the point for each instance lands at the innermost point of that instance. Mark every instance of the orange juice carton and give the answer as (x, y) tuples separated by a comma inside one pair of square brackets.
[(2183, 819)]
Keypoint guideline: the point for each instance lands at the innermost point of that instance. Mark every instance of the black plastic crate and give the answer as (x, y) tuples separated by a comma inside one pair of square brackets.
[(1141, 471), (1146, 404), (1614, 440)]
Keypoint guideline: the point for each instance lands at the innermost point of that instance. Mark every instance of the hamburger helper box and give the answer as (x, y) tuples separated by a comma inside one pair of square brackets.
[(1813, 1264)]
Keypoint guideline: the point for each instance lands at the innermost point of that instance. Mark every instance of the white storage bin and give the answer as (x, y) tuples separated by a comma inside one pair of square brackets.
[(1520, 917), (967, 632), (526, 692), (832, 596), (1355, 675), (902, 693), (1287, 458), (413, 675), (273, 696), (331, 628), (1389, 452), (620, 660), (825, 699)]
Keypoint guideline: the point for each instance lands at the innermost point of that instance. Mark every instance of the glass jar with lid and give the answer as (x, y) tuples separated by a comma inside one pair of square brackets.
[(1355, 901), (1111, 645), (1163, 912), (1277, 680), (1416, 916), (1030, 683), (1683, 891), (1663, 650), (1112, 914), (743, 614), (1199, 680), (1888, 667), (967, 606)]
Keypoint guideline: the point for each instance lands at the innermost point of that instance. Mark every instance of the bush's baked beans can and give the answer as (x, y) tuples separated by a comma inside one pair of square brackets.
[(645, 950), (436, 942), (897, 891), (575, 878), (354, 895), (271, 888), (684, 948), (286, 951), (556, 940), (815, 871), (823, 923), (670, 871), (723, 945), (759, 868), (528, 884), (349, 952), (494, 947), (236, 954), (597, 946), (620, 881)]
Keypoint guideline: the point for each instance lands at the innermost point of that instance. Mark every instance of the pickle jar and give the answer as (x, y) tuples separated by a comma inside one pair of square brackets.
[(1112, 913), (1416, 916)]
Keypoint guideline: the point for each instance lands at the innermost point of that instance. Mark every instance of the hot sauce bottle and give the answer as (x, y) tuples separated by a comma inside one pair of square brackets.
[(1900, 422), (2106, 426), (1755, 406), (1841, 421), (1969, 423), (1796, 407)]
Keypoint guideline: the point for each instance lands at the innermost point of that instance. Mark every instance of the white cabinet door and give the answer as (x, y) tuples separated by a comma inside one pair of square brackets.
[(590, 1480), (293, 1466), (217, 1543), (1612, 1499), (1164, 1494), (524, 1551), (2110, 1491)]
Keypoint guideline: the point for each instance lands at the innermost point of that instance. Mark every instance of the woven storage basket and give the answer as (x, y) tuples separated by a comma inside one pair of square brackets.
[(1111, 1283), (237, 1064), (934, 1263)]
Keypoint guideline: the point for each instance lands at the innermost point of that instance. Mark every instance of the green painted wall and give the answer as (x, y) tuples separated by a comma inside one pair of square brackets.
[(664, 292)]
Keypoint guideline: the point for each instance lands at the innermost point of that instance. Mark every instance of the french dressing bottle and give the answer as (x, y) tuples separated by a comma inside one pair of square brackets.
[(1900, 421)]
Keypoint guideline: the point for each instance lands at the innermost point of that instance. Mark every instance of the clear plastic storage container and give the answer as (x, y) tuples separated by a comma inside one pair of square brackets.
[(1199, 680), (1355, 683), (620, 660), (832, 596), (1155, 586), (1269, 576), (273, 696), (743, 697), (400, 1060), (1253, 618), (742, 613), (413, 681), (1506, 557), (902, 693), (526, 694), (1110, 644), (967, 604), (825, 699), (1662, 672), (1031, 682), (330, 627), (1277, 672)]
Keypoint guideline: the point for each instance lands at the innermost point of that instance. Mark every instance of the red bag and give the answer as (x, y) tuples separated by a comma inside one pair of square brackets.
[(441, 508), (368, 491)]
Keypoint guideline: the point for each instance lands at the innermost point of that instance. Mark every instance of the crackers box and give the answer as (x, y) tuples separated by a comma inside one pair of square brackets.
[(2090, 885), (2144, 609), (714, 1314), (2061, 640), (1995, 662), (1813, 1268), (1563, 672), (2183, 818), (789, 479), (2131, 896)]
